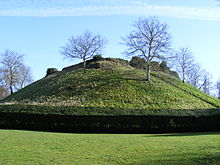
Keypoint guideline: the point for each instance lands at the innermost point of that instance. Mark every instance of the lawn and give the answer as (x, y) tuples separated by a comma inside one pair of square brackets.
[(28, 147)]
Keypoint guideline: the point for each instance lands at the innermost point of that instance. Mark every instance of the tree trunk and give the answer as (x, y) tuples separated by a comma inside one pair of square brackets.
[(183, 76), (84, 63), (148, 71), (11, 89)]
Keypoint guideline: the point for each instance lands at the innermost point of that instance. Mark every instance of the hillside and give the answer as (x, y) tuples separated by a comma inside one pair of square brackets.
[(112, 83)]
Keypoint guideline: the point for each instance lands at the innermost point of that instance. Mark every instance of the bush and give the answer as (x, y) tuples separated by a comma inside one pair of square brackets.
[(97, 57), (108, 123), (155, 66), (175, 74), (118, 61), (164, 67), (138, 62), (51, 71)]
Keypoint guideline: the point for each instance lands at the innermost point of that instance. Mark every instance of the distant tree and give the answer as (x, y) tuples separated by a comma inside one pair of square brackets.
[(195, 75), (83, 46), (24, 78), (207, 85), (3, 90), (149, 40), (218, 88), (14, 74), (184, 62)]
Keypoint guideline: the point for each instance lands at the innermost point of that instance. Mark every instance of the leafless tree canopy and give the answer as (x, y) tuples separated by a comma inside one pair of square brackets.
[(184, 62), (13, 71), (195, 75), (207, 85), (218, 88), (3, 90), (149, 40), (83, 47), (24, 78)]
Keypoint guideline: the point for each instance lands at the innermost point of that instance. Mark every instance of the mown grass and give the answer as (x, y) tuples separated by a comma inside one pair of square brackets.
[(118, 87), (27, 147)]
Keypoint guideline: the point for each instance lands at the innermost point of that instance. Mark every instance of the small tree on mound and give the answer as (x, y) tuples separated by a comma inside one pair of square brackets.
[(83, 46), (149, 40)]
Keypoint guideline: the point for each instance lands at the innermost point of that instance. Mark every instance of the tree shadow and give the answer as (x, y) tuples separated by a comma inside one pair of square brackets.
[(184, 134), (203, 160)]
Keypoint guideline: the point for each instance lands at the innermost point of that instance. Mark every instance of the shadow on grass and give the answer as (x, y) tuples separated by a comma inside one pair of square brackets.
[(184, 134), (203, 160)]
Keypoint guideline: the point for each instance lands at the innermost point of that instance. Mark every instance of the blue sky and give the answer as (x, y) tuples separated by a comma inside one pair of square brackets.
[(38, 28)]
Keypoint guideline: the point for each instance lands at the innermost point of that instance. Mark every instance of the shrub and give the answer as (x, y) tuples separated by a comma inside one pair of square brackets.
[(94, 119), (175, 74), (138, 62), (118, 61), (155, 66), (51, 71), (97, 57), (164, 67)]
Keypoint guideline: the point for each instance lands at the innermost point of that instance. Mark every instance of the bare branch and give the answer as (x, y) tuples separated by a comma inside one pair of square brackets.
[(83, 47), (184, 62), (149, 40), (11, 70)]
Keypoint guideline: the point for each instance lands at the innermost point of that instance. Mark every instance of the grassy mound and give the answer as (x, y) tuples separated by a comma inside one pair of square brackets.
[(112, 83)]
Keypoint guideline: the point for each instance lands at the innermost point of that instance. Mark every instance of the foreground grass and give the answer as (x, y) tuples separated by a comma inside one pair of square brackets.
[(27, 147)]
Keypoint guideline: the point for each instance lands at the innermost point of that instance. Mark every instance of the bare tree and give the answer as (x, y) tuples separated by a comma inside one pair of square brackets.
[(83, 46), (11, 62), (195, 75), (218, 88), (207, 85), (149, 40), (3, 90), (24, 78), (12, 70), (184, 62)]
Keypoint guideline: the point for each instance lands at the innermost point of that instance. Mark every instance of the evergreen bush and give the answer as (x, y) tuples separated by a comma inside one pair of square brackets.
[(138, 62), (51, 71), (97, 57)]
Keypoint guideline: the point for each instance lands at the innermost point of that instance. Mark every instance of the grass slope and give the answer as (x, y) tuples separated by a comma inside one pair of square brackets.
[(27, 147), (114, 85), (188, 88)]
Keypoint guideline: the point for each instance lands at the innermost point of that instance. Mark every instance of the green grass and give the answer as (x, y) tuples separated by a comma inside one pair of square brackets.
[(118, 87), (27, 147), (189, 88)]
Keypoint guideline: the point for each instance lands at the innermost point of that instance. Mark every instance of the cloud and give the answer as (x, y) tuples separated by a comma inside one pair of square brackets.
[(50, 8)]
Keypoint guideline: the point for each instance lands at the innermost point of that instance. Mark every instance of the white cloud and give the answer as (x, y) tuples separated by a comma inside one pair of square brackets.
[(51, 8)]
